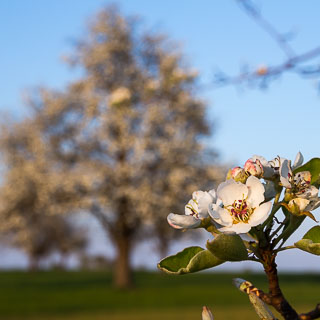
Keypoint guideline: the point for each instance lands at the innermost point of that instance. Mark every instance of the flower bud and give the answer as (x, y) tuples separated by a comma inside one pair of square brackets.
[(254, 168), (237, 174), (298, 205), (262, 70), (206, 314)]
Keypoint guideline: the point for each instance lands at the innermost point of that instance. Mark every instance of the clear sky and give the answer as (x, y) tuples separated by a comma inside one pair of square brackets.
[(214, 34)]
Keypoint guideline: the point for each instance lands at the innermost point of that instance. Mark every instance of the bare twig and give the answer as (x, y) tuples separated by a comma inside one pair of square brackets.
[(261, 76), (280, 39), (285, 248), (314, 314)]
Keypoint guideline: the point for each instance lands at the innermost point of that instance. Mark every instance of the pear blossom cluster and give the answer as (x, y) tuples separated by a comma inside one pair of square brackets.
[(246, 198)]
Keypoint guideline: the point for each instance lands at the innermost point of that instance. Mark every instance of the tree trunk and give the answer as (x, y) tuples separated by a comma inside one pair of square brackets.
[(33, 263), (163, 247), (122, 240), (122, 276)]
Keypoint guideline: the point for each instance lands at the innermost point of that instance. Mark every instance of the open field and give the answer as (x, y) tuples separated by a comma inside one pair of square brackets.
[(88, 295)]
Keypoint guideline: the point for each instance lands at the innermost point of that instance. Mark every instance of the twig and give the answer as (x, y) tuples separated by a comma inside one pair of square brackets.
[(282, 224), (251, 10), (285, 248), (314, 314), (261, 76), (274, 210)]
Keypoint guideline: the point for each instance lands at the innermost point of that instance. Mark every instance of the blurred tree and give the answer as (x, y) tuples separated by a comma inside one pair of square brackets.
[(42, 235), (31, 196), (127, 134)]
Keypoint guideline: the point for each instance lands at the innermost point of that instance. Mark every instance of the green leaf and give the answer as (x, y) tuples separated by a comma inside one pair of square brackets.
[(310, 241), (189, 260), (228, 247), (313, 166), (313, 234)]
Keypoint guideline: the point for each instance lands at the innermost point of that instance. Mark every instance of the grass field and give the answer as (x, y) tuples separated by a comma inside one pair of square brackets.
[(88, 295)]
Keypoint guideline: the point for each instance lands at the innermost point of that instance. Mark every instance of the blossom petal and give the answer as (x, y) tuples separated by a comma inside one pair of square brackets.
[(260, 214), (196, 195), (314, 204), (286, 173), (309, 193), (256, 191), (229, 191), (268, 172), (236, 228), (203, 203), (269, 190), (263, 160), (220, 215), (191, 208), (312, 191), (298, 160), (179, 221), (213, 194)]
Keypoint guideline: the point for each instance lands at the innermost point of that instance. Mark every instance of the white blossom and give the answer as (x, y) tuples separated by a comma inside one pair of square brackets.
[(195, 210), (238, 207)]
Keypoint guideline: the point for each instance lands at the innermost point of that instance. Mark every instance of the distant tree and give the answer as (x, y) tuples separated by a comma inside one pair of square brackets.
[(127, 133), (33, 196), (43, 235)]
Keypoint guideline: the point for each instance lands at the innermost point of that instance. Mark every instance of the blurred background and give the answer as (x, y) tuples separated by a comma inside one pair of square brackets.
[(112, 114)]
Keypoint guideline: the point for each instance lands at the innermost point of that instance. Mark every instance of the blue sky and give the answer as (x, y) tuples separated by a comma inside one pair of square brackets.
[(213, 34)]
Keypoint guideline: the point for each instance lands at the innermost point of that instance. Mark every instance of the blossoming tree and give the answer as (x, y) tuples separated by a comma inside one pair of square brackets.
[(242, 216), (125, 137)]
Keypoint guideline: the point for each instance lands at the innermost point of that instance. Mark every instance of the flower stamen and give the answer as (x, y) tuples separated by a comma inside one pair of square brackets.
[(194, 212), (240, 211)]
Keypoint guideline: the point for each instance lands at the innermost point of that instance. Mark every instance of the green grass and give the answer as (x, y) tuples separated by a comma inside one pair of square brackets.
[(89, 295)]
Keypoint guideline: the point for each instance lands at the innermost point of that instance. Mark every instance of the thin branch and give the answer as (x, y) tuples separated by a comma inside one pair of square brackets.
[(263, 75), (273, 71), (277, 299), (253, 259), (281, 225), (285, 248), (280, 39), (102, 218), (314, 314), (274, 210)]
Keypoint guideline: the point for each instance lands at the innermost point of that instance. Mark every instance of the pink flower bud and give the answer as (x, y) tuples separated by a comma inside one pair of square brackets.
[(254, 168), (237, 174), (235, 171)]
